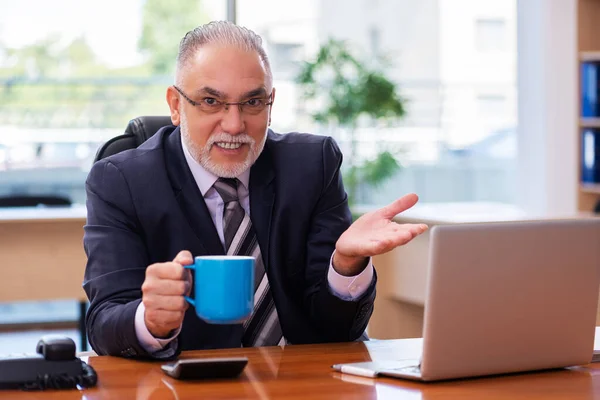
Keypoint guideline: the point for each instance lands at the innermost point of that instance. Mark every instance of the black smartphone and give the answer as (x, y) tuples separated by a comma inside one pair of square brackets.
[(205, 368)]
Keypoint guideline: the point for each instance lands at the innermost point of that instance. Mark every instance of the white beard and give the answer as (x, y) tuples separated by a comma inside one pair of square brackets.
[(202, 154)]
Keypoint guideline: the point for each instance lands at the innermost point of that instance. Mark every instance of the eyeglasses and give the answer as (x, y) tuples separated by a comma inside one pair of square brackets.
[(210, 105)]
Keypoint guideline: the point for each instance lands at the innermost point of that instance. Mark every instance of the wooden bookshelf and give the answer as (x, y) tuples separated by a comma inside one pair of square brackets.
[(589, 56), (588, 46), (593, 188), (589, 122)]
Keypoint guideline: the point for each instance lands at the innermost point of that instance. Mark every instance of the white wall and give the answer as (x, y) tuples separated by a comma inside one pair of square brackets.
[(547, 74)]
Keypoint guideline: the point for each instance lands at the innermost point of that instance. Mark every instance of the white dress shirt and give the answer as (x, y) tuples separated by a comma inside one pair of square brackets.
[(344, 287)]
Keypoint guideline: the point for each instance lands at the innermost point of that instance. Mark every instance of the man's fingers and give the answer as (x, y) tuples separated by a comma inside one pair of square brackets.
[(405, 233), (163, 291), (409, 232), (188, 281), (166, 287), (168, 270), (417, 229), (165, 303), (184, 257), (388, 239), (398, 206)]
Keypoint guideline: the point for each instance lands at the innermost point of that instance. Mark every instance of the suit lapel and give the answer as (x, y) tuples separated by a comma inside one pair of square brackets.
[(262, 197), (189, 197)]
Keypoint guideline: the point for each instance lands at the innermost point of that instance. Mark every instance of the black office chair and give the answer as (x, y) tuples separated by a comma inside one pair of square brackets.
[(137, 132), (34, 201)]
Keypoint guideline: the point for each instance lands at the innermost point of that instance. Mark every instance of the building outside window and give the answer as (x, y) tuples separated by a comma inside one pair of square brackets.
[(490, 35)]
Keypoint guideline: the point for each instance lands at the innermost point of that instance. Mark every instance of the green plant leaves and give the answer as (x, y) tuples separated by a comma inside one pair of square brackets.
[(346, 89), (378, 170)]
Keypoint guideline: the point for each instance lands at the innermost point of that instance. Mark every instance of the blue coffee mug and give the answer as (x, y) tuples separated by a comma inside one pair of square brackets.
[(224, 288)]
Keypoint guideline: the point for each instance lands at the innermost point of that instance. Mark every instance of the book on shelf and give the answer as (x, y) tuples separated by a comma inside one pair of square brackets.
[(590, 89), (590, 156)]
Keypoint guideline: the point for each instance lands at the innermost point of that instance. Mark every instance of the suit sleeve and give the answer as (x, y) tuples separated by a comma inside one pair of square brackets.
[(335, 319), (116, 265)]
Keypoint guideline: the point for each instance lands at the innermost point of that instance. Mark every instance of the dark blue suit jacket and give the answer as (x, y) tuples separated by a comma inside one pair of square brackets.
[(144, 206)]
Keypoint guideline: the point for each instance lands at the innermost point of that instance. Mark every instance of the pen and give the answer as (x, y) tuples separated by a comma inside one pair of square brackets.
[(350, 369)]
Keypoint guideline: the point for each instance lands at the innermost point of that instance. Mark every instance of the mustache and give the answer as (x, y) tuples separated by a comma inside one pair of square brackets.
[(225, 137)]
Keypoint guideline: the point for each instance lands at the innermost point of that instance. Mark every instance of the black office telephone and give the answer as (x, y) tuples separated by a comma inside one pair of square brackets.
[(53, 367)]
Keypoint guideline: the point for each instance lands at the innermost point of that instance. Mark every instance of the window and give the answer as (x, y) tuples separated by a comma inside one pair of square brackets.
[(285, 58), (68, 84), (456, 141), (490, 35), (70, 81), (490, 106), (374, 40)]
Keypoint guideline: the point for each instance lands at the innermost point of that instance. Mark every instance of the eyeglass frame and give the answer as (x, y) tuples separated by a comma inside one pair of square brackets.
[(240, 104)]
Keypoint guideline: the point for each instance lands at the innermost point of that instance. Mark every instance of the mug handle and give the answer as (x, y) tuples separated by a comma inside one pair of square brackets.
[(187, 298)]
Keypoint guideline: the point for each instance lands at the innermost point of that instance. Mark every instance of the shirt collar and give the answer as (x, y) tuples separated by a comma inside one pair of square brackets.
[(205, 179)]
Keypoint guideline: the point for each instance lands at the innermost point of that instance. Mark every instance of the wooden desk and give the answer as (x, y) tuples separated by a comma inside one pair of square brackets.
[(303, 372)]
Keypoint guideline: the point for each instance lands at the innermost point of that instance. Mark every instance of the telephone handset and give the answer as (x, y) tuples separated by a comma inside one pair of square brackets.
[(53, 367)]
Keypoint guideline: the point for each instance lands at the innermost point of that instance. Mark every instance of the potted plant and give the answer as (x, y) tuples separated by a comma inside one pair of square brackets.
[(347, 90)]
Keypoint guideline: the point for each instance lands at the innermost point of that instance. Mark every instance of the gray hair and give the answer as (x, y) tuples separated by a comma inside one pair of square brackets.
[(221, 33)]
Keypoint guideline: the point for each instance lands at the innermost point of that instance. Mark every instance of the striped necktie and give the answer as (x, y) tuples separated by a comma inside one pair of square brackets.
[(262, 328)]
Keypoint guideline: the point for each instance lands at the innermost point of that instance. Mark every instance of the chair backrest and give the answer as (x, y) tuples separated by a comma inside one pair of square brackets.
[(137, 132)]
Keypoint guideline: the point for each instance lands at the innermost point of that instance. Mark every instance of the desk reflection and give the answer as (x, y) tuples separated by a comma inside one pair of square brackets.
[(155, 385), (374, 388), (561, 384), (262, 368), (579, 382)]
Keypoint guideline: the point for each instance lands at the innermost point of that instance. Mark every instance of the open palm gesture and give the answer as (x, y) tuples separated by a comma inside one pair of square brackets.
[(375, 233)]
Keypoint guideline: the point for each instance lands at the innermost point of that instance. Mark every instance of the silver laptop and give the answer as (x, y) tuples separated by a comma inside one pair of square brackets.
[(505, 297)]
